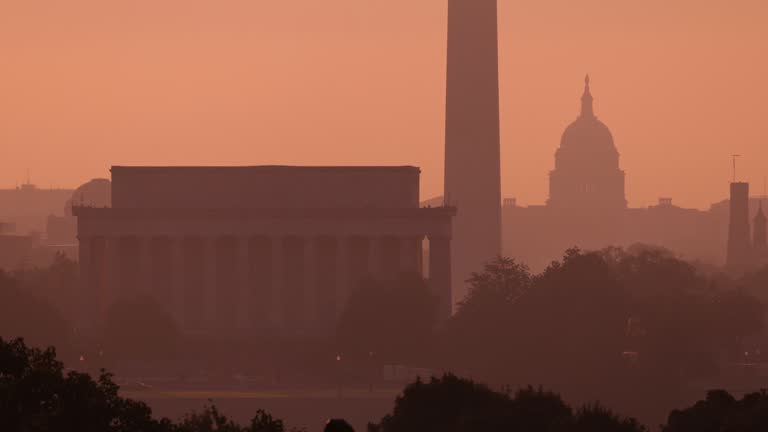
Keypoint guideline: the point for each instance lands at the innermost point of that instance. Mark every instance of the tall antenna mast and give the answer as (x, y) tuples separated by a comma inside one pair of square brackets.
[(734, 166)]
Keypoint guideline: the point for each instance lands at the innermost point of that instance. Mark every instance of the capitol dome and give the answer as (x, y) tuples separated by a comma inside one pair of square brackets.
[(588, 131), (587, 172), (587, 143)]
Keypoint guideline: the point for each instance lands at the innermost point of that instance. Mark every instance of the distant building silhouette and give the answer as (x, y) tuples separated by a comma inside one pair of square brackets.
[(28, 206), (62, 230), (587, 173), (33, 222), (746, 253), (472, 153), (587, 208), (19, 251), (739, 248), (759, 232), (266, 249)]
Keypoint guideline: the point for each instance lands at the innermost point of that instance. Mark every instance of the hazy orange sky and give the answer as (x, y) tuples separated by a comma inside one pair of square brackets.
[(85, 84)]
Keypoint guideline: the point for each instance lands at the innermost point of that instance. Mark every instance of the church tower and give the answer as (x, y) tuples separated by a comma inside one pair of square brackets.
[(472, 159)]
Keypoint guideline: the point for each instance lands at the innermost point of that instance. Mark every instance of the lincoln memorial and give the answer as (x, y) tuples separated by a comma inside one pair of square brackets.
[(271, 249)]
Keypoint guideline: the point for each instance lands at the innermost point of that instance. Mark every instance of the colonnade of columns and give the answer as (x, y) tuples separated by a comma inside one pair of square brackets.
[(279, 283)]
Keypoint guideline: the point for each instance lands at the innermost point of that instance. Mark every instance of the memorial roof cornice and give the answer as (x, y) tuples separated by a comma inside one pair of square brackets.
[(87, 211), (351, 168)]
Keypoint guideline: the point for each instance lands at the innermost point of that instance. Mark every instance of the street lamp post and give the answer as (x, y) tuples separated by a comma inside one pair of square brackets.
[(338, 376), (372, 372)]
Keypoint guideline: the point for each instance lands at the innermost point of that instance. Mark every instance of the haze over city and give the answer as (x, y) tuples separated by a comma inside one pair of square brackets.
[(89, 84), (383, 216)]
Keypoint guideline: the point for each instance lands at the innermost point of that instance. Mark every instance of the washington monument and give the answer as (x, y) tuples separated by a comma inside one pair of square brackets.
[(472, 159)]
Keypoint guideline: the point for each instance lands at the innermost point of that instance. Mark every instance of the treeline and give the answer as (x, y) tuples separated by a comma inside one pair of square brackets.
[(38, 394), (461, 405), (612, 325), (40, 303), (140, 336)]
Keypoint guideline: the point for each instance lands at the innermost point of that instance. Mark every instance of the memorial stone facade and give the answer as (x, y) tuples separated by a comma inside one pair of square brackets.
[(270, 249)]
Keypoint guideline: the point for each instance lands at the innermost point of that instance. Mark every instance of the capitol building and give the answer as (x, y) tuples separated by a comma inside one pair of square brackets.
[(587, 206)]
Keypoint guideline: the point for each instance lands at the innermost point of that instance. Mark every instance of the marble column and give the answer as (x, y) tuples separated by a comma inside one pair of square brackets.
[(342, 278), (309, 310), (178, 287), (243, 283), (277, 318), (88, 282), (440, 274), (145, 264), (112, 286), (410, 255), (210, 303), (260, 256), (374, 257)]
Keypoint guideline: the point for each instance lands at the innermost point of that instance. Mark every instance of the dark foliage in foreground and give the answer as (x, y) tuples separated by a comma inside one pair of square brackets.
[(721, 412), (452, 404), (37, 394)]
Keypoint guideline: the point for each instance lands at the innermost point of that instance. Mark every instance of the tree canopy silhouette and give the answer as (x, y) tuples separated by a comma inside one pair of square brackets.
[(721, 412), (23, 313), (395, 320), (140, 329), (38, 394), (614, 325), (454, 404)]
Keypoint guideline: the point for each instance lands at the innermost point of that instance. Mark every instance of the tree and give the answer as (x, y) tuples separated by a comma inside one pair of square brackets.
[(478, 339), (443, 404), (573, 326), (721, 412), (682, 321), (211, 420), (264, 422), (36, 394), (596, 323), (139, 329), (338, 425), (492, 291), (395, 320), (454, 404), (57, 284), (563, 328), (593, 418), (755, 283), (24, 314)]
